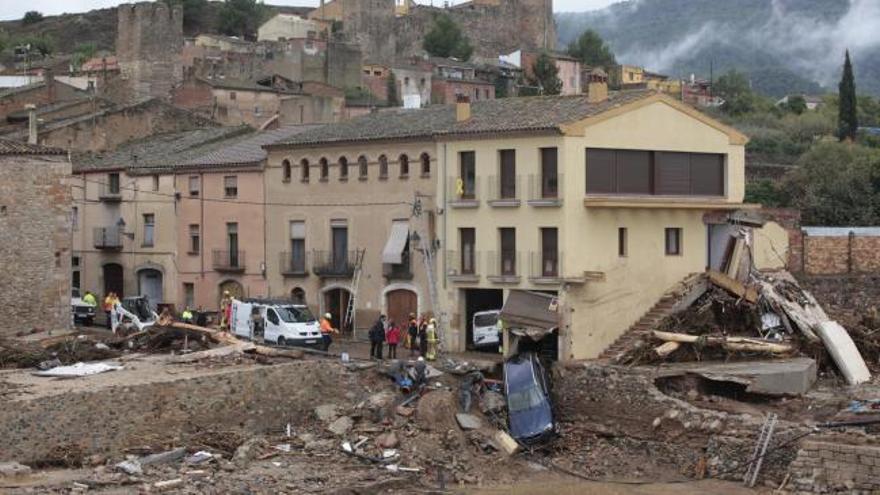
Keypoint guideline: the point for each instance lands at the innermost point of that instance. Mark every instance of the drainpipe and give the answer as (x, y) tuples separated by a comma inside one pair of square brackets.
[(32, 123)]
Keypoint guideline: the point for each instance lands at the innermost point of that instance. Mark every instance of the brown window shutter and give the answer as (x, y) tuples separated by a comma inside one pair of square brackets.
[(707, 174), (672, 173), (508, 174), (600, 171), (634, 172)]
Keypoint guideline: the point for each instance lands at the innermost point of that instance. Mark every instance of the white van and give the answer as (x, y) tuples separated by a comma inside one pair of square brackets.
[(486, 328), (284, 323)]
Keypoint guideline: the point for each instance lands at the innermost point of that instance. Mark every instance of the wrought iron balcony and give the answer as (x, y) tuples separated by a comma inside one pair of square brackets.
[(294, 264), (463, 268), (545, 268), (109, 192), (108, 238), (504, 195), (334, 264), (462, 194), (228, 261), (503, 267), (546, 191)]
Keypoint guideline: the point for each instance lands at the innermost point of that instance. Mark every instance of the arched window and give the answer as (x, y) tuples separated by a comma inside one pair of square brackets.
[(425, 159), (343, 168), (304, 165), (285, 170), (404, 165), (362, 167), (383, 167), (325, 169)]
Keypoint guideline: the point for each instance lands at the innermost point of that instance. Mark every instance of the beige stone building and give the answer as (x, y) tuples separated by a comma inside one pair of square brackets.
[(342, 195), (605, 203)]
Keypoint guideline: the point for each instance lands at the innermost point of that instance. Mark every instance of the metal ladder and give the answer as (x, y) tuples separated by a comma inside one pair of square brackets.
[(351, 308), (427, 249), (757, 458)]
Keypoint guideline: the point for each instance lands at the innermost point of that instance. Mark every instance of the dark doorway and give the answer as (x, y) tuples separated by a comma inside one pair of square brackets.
[(335, 303), (479, 300), (298, 295), (547, 348), (401, 303), (113, 280)]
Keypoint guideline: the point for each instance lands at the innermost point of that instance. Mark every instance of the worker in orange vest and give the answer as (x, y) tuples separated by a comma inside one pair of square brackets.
[(326, 331)]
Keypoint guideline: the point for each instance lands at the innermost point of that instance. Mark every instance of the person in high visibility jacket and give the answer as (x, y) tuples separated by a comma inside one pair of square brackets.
[(327, 330), (109, 299), (432, 340), (186, 316), (89, 299), (225, 310)]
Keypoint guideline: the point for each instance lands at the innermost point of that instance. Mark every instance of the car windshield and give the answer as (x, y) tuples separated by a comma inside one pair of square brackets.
[(487, 320), (294, 314), (139, 307), (525, 399)]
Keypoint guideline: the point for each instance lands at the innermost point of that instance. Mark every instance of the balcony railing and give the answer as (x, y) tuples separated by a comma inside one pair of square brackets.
[(545, 191), (545, 268), (228, 261), (334, 264), (501, 196), (503, 267), (462, 194), (463, 268), (402, 271), (294, 264), (107, 192), (108, 238)]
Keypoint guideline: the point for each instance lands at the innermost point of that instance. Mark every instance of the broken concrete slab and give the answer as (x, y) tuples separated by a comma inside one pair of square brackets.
[(778, 377), (468, 421), (505, 442), (163, 457), (327, 412), (341, 426), (13, 469), (844, 352)]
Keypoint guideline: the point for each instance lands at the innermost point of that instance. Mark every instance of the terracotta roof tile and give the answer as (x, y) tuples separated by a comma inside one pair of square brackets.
[(9, 147)]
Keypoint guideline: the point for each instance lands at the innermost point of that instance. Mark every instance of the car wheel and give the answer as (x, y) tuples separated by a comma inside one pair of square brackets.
[(281, 341)]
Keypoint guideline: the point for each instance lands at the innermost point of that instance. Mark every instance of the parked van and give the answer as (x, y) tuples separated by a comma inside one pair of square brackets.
[(275, 321), (487, 331)]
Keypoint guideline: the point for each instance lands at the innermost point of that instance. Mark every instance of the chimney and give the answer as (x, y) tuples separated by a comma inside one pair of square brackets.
[(462, 111), (597, 86), (49, 79), (32, 123)]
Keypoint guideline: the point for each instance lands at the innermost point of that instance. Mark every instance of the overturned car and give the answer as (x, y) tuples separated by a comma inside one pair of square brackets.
[(530, 414)]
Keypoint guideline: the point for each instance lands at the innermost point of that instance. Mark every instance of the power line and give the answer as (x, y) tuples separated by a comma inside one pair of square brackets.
[(178, 196)]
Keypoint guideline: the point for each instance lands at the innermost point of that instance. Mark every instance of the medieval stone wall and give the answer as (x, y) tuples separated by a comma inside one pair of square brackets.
[(148, 45), (35, 243)]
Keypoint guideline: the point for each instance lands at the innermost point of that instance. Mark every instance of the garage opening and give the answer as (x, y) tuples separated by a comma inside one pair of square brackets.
[(150, 285), (113, 280), (547, 347), (479, 300), (335, 303)]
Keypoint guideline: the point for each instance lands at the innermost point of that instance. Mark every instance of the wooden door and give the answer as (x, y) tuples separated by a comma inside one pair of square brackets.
[(400, 304)]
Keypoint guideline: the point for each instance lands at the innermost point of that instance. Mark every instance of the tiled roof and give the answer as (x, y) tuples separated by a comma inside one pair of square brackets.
[(244, 85), (9, 147), (155, 151), (21, 89), (529, 114)]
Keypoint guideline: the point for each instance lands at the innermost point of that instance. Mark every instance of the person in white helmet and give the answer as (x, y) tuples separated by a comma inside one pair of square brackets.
[(327, 330)]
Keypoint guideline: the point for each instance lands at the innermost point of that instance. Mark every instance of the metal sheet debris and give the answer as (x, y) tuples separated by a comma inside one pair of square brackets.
[(78, 370)]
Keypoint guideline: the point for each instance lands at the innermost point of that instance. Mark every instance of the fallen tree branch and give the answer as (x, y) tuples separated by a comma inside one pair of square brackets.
[(666, 348), (732, 343)]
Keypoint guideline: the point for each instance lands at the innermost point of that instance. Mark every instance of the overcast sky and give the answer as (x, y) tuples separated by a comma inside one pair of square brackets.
[(15, 9)]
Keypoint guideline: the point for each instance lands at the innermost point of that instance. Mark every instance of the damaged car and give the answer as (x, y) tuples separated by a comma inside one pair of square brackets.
[(530, 414)]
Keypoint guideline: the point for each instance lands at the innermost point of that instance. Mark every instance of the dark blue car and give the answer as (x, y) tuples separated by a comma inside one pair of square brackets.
[(528, 399)]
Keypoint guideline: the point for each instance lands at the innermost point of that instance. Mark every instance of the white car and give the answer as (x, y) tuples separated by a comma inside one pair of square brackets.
[(82, 312), (283, 323), (487, 330)]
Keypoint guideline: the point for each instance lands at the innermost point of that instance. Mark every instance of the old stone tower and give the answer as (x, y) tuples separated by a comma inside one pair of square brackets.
[(148, 42)]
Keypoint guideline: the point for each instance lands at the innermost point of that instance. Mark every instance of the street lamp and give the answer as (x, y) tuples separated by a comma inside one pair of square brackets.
[(120, 224)]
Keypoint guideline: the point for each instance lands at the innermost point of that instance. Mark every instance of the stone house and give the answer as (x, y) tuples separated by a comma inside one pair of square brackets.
[(283, 27), (35, 238)]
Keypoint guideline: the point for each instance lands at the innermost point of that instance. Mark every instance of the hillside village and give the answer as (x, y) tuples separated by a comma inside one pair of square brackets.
[(388, 247)]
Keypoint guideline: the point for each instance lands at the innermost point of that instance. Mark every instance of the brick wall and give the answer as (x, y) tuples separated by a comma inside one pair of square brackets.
[(167, 410), (833, 255), (35, 243), (823, 467)]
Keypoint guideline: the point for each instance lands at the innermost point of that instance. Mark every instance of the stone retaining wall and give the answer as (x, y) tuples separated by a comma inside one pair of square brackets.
[(825, 467)]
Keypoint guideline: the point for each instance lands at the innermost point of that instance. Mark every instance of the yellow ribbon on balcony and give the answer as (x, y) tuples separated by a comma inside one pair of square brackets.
[(459, 187)]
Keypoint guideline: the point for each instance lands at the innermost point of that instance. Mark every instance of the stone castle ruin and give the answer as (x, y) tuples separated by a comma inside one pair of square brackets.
[(148, 43)]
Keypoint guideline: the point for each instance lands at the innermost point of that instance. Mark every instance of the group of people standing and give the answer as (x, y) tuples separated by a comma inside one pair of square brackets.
[(419, 336)]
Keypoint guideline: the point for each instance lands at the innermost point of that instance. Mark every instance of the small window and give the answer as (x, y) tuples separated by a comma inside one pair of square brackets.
[(383, 167), (304, 170), (363, 168), (406, 81), (343, 168), (425, 161), (621, 242), (149, 229), (189, 294), (673, 241), (257, 111), (285, 170), (404, 166), (230, 186), (155, 182), (195, 239), (194, 185), (113, 183), (232, 95), (74, 218), (325, 169)]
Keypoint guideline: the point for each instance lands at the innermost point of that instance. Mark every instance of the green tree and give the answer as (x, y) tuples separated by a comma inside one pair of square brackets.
[(31, 17), (241, 17), (837, 184), (192, 11), (42, 45), (445, 39), (82, 53), (544, 78), (592, 50), (847, 119), (796, 104), (737, 93), (393, 99)]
